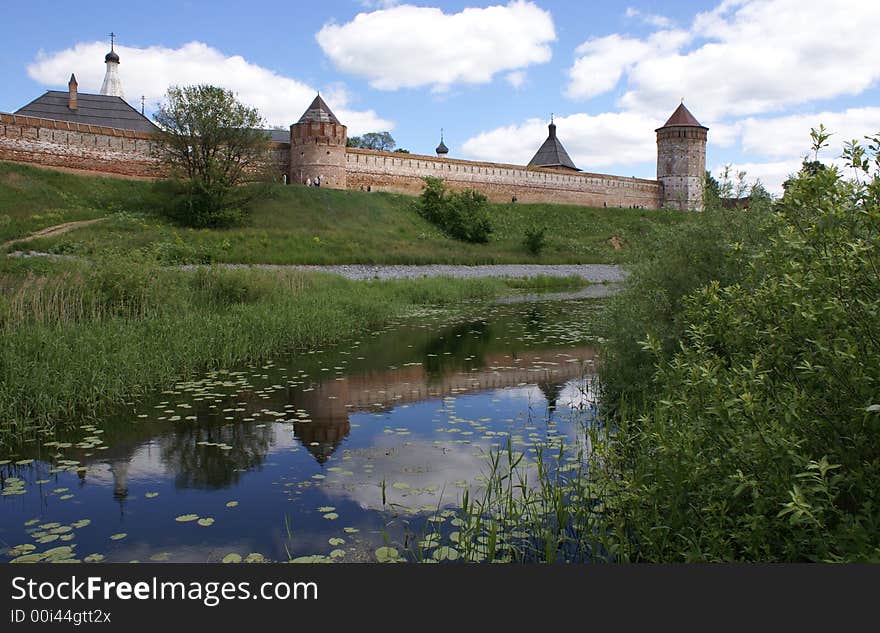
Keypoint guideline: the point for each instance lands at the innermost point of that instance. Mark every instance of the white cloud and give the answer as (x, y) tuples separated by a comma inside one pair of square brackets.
[(516, 78), (659, 21), (150, 71), (743, 57), (602, 61), (594, 142), (409, 47), (789, 136), (771, 174)]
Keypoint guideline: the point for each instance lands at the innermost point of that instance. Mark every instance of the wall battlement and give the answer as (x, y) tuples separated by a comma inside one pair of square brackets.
[(317, 148)]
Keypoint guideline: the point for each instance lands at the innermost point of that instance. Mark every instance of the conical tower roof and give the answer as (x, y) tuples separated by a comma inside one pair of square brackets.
[(682, 117), (319, 112), (552, 153)]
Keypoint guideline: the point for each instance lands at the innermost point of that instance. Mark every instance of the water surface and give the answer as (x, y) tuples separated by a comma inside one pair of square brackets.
[(329, 453)]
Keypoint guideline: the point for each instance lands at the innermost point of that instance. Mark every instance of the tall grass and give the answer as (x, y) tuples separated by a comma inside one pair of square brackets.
[(88, 337)]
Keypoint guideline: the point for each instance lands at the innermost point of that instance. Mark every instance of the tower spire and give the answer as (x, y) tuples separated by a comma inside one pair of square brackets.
[(112, 85)]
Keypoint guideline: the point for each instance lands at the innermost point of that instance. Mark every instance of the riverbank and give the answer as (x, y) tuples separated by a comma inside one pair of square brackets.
[(76, 339), (305, 225)]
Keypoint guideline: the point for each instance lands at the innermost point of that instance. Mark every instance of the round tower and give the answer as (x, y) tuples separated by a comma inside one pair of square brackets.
[(681, 161), (317, 147)]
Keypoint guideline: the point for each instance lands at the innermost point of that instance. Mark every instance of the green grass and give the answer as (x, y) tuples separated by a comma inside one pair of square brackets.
[(32, 198), (77, 338), (299, 225)]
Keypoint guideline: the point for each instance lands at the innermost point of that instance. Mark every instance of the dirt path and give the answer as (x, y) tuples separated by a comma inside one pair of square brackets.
[(51, 231)]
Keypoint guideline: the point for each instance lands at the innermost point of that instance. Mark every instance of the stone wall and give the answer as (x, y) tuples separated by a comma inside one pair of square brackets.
[(126, 153), (72, 145), (403, 173)]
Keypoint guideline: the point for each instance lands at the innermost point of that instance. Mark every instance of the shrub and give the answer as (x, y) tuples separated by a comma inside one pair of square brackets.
[(461, 215), (760, 439), (535, 240)]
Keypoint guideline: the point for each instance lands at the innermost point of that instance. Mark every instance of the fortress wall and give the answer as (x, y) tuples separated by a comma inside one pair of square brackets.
[(72, 145), (403, 173), (105, 150)]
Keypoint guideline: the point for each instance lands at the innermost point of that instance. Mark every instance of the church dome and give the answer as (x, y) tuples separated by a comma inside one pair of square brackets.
[(442, 149), (111, 57)]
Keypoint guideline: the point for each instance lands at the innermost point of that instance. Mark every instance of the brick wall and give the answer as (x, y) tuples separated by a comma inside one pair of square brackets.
[(123, 152), (72, 145), (403, 173)]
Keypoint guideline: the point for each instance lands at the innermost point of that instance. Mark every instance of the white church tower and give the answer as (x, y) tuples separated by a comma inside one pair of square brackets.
[(112, 85)]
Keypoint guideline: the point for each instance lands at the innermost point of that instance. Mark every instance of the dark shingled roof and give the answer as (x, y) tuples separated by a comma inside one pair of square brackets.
[(278, 136), (319, 112), (682, 117), (103, 110), (552, 153)]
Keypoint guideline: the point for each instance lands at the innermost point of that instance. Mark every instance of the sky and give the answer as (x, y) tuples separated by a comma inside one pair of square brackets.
[(758, 73)]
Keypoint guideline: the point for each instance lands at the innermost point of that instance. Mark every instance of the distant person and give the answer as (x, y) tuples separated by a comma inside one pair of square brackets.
[(317, 181), (308, 182), (369, 188)]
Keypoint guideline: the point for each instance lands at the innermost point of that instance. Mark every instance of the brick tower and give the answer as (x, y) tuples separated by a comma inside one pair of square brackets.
[(317, 147), (681, 160)]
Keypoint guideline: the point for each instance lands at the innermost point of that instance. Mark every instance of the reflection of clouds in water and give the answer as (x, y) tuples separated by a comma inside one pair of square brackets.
[(420, 464), (578, 394)]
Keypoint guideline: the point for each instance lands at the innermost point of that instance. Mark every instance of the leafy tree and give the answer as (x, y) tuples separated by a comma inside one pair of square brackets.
[(212, 144), (381, 141)]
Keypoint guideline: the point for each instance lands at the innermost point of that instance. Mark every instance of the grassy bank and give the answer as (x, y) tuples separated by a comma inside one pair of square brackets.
[(300, 225), (75, 339)]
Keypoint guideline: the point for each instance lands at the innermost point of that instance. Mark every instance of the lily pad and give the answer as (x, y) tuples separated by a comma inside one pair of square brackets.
[(118, 537), (232, 558), (387, 555), (93, 558), (207, 521), (231, 504), (445, 553), (331, 516), (337, 553), (336, 541), (151, 495), (184, 518), (255, 557)]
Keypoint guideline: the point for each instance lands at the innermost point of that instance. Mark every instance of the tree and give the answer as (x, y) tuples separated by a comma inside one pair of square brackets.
[(212, 144), (382, 141)]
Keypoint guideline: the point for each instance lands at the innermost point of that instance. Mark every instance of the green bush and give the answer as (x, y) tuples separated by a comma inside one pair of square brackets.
[(462, 215), (759, 441), (535, 239)]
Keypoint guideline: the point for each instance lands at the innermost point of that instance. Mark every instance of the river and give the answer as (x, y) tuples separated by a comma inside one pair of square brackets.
[(319, 455)]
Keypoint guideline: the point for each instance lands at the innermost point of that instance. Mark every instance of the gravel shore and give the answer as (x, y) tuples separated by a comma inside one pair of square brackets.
[(594, 273)]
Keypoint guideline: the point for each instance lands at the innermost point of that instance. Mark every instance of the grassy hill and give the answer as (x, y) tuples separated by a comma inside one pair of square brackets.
[(299, 225)]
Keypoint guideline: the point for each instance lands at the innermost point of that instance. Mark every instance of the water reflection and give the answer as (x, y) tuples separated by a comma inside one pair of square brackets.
[(416, 406)]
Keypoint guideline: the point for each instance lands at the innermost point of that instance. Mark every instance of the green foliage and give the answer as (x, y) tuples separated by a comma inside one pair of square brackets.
[(212, 143), (671, 264), (462, 215), (758, 436), (381, 141), (535, 239)]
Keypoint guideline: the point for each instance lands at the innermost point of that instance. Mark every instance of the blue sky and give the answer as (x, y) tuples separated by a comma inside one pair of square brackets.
[(759, 73)]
